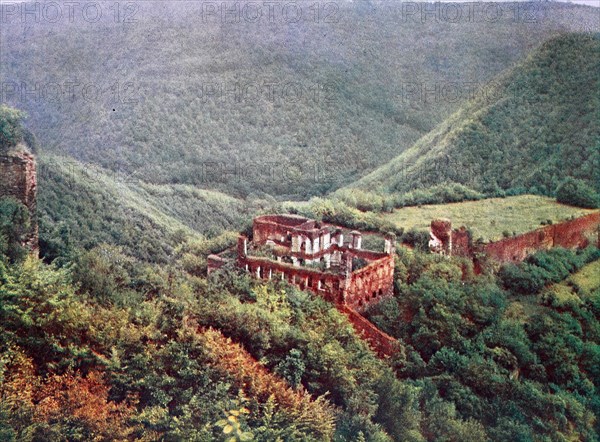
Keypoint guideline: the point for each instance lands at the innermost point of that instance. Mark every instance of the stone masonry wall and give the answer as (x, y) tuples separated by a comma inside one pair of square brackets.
[(18, 179), (382, 343), (371, 284), (576, 233)]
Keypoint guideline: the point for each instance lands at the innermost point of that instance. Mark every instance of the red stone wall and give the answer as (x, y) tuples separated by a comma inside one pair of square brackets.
[(371, 284), (578, 232), (18, 179), (332, 284), (568, 234), (366, 286), (382, 343), (351, 291), (274, 227), (461, 243), (214, 262)]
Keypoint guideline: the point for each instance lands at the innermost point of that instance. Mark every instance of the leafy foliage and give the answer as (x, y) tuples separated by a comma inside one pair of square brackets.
[(11, 127), (171, 111), (494, 364), (534, 126), (577, 193), (15, 225)]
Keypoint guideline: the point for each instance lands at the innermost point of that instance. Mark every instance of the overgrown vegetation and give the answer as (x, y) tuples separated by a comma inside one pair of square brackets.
[(535, 126), (118, 334), (513, 365), (81, 206), (115, 348), (143, 351), (15, 225), (11, 127), (171, 111), (577, 193)]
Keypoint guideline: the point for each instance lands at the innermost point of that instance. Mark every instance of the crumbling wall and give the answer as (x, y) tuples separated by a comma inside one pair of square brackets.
[(447, 241), (441, 236), (382, 343), (370, 284), (363, 287), (328, 285), (275, 227), (579, 232), (18, 179), (576, 233), (214, 262), (352, 288), (461, 243)]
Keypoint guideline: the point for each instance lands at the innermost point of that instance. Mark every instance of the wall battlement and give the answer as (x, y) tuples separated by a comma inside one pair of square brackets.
[(315, 257), (576, 233)]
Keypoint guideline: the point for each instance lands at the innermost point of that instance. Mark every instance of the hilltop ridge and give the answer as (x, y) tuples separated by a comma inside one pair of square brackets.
[(535, 126)]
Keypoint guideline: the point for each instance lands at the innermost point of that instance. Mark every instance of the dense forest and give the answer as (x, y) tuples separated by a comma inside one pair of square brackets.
[(108, 347), (116, 331), (537, 125), (292, 109)]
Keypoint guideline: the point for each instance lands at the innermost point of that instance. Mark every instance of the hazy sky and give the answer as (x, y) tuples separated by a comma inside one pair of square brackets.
[(595, 3)]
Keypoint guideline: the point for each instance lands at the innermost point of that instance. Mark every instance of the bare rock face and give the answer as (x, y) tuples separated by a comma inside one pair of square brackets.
[(18, 179)]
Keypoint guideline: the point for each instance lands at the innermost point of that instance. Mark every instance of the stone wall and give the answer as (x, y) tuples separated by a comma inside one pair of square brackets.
[(275, 227), (370, 284), (382, 343), (349, 277), (328, 285), (461, 242), (18, 179), (447, 241), (214, 262), (358, 290), (576, 233)]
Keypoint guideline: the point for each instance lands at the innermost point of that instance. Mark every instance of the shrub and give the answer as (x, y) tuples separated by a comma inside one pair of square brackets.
[(11, 127), (14, 226), (417, 239), (577, 193)]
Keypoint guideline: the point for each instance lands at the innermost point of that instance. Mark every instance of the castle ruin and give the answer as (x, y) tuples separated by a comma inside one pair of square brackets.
[(18, 179), (316, 257), (324, 260), (575, 233)]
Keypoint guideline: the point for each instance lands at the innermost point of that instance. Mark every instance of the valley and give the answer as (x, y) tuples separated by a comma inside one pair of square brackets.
[(376, 221)]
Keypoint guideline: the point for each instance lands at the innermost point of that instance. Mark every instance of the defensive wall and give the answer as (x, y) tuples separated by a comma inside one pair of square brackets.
[(18, 179), (576, 233)]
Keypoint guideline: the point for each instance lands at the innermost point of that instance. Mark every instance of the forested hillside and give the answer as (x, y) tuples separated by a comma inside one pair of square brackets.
[(81, 206), (293, 109), (118, 332), (537, 126), (112, 347), (515, 353)]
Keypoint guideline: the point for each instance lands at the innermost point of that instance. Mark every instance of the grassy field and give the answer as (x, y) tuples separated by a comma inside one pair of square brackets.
[(587, 279), (576, 288), (489, 218)]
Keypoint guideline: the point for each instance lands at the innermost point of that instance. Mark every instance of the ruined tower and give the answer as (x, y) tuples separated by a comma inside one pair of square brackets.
[(18, 179)]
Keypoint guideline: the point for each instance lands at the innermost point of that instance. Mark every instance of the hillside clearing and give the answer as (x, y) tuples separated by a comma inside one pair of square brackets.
[(489, 218)]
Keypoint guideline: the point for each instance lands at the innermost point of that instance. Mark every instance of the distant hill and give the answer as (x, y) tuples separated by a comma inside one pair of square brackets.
[(81, 206), (536, 125), (293, 109)]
